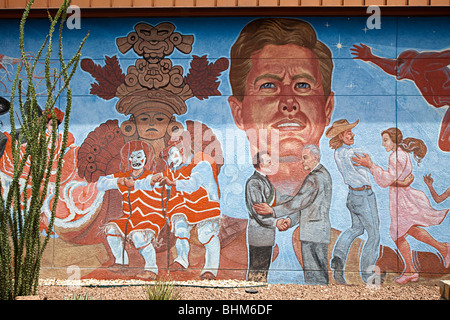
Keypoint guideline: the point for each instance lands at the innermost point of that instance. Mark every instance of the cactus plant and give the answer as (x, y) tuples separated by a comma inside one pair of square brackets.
[(20, 207)]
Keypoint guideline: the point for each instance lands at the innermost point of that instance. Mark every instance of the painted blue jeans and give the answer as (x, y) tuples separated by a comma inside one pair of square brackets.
[(364, 214)]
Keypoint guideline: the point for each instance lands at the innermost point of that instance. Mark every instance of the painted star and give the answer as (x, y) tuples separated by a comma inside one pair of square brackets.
[(339, 45)]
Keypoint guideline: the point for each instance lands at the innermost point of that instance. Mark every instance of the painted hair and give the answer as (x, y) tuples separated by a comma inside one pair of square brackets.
[(276, 31), (133, 146), (411, 145), (313, 149), (336, 142)]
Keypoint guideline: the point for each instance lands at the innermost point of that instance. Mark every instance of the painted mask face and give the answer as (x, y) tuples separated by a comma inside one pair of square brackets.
[(175, 157), (138, 159)]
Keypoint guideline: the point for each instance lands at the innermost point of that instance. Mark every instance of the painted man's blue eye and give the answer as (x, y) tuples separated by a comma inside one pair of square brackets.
[(302, 85), (268, 85)]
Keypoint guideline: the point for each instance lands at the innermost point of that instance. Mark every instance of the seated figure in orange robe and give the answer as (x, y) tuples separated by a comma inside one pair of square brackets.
[(194, 201), (143, 217)]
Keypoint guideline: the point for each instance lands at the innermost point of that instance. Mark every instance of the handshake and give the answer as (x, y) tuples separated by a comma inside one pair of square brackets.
[(283, 224)]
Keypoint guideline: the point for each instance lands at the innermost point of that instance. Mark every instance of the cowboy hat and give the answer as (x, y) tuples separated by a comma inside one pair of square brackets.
[(338, 127)]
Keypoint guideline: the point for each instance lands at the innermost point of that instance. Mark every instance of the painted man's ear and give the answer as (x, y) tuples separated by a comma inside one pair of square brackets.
[(236, 111)]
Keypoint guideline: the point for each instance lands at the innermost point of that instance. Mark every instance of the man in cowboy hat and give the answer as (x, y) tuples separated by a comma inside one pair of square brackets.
[(361, 203)]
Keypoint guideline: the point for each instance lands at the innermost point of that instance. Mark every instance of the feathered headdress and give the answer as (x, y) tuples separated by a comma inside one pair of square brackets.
[(153, 78)]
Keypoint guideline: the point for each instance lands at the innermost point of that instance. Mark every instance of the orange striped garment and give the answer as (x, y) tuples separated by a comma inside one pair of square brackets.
[(146, 208), (195, 206)]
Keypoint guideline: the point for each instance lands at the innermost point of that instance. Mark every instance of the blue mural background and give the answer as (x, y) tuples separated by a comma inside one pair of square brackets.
[(362, 91)]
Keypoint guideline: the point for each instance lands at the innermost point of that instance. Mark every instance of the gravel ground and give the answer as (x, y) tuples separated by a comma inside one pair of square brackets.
[(237, 290)]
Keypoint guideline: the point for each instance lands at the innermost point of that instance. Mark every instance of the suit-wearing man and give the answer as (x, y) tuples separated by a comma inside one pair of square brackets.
[(260, 228), (310, 209)]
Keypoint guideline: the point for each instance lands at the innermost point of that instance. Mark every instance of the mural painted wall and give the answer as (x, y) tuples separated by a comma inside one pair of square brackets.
[(289, 150)]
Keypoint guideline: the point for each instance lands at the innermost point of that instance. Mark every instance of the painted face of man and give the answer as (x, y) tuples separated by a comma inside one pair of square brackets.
[(138, 159), (309, 161), (152, 125), (284, 92), (175, 157), (347, 137), (266, 165)]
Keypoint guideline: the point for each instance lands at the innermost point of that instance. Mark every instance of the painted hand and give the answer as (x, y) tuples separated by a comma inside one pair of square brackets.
[(156, 178), (121, 181), (363, 160), (263, 208), (129, 182), (283, 224), (428, 179), (167, 181), (361, 52)]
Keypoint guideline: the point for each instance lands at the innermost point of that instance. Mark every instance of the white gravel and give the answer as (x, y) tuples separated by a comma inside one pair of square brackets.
[(187, 283), (53, 289)]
